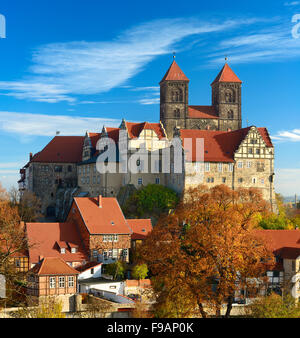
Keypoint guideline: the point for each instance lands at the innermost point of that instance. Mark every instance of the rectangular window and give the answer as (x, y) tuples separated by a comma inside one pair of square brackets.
[(61, 282), (18, 263), (94, 180), (248, 164), (58, 168), (95, 253), (71, 281), (220, 167), (157, 180), (250, 151), (140, 181), (116, 238), (240, 180), (230, 167), (207, 166), (257, 151), (105, 254), (262, 181), (240, 165), (70, 168), (125, 253), (224, 180), (87, 170), (98, 179), (52, 282), (110, 253), (115, 253)]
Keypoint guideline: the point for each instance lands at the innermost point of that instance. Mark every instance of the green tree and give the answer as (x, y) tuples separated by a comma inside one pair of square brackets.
[(153, 199), (140, 271), (276, 221), (274, 306), (117, 269)]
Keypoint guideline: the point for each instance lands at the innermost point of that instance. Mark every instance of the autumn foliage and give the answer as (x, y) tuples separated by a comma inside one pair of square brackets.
[(205, 252)]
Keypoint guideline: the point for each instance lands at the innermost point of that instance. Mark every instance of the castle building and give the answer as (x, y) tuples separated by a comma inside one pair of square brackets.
[(238, 157)]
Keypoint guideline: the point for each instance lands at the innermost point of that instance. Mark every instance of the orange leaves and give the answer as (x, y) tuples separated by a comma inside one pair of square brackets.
[(206, 248)]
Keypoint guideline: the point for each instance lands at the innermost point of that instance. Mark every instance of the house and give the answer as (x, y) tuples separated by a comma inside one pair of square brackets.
[(285, 244), (59, 240), (141, 228), (52, 276), (95, 231), (105, 232)]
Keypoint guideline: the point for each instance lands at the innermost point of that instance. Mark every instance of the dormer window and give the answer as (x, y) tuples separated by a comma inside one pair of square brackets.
[(62, 250), (73, 250)]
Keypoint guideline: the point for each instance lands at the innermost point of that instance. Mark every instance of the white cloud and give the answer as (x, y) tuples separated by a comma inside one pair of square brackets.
[(287, 181), (25, 124), (274, 44), (61, 70), (149, 101), (288, 136), (292, 3)]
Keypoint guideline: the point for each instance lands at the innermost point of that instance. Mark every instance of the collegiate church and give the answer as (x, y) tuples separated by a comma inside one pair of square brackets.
[(234, 156), (223, 114)]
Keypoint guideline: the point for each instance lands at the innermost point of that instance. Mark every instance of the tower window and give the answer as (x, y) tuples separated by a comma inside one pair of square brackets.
[(177, 113), (177, 95), (230, 115)]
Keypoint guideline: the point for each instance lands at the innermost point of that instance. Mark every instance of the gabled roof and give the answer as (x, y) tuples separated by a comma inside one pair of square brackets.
[(140, 228), (61, 149), (227, 75), (284, 243), (88, 266), (53, 266), (43, 239), (108, 219), (203, 112), (134, 129), (174, 73), (219, 146)]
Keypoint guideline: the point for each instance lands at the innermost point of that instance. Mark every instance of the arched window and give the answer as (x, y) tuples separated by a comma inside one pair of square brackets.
[(177, 113), (230, 115), (229, 96), (177, 95)]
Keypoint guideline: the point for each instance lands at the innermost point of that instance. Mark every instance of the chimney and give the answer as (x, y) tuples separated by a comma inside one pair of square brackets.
[(30, 156), (100, 201)]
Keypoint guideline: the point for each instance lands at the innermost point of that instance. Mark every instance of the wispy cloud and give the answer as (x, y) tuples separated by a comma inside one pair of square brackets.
[(62, 70), (287, 136), (273, 44), (25, 124), (292, 3), (154, 100)]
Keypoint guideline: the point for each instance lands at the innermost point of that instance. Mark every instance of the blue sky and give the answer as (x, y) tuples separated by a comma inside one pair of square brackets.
[(75, 65)]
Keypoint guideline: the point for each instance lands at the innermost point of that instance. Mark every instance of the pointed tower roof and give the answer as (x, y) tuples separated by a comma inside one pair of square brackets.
[(174, 73), (227, 75)]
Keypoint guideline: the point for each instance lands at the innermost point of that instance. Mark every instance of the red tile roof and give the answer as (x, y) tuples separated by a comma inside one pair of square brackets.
[(53, 266), (108, 219), (204, 112), (219, 146), (61, 149), (88, 266), (42, 238), (174, 73), (284, 243), (140, 228), (134, 129), (227, 75)]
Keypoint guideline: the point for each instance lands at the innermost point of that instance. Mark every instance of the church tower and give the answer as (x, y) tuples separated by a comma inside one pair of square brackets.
[(226, 98), (174, 91)]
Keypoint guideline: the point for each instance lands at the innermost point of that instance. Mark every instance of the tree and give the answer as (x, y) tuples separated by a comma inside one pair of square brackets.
[(117, 269), (153, 199), (29, 205), (140, 271), (276, 221), (206, 250), (274, 306), (48, 308)]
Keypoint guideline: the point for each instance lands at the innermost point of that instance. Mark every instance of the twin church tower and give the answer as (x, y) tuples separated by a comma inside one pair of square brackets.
[(224, 113)]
